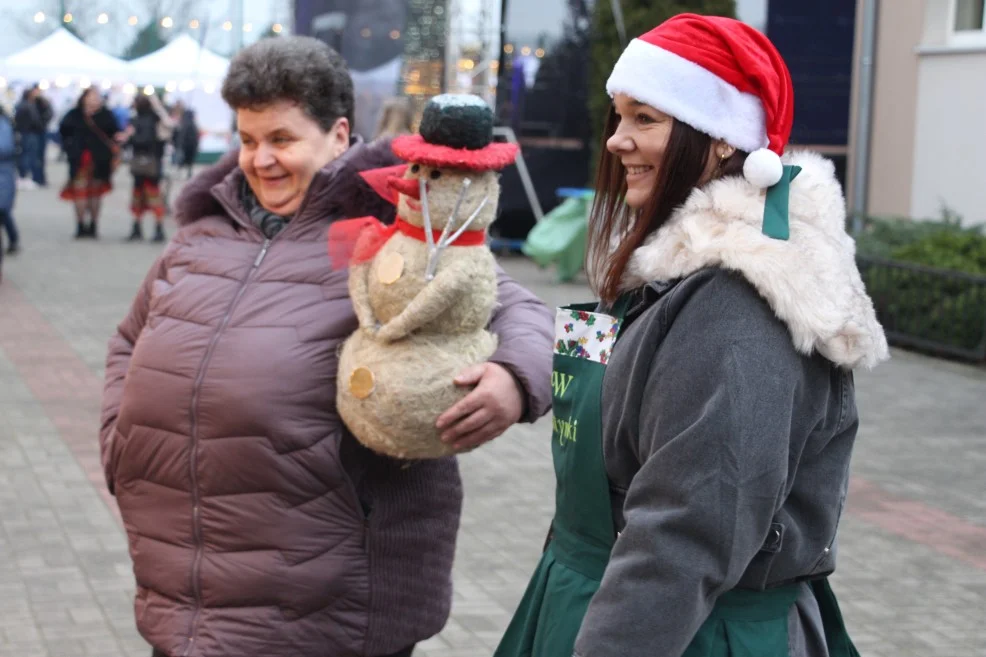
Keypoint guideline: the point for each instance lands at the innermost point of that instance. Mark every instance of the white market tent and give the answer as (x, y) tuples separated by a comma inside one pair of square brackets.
[(190, 73), (63, 65), (183, 62), (62, 57)]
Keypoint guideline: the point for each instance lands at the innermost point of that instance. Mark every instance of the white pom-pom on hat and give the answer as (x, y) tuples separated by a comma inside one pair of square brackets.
[(763, 168)]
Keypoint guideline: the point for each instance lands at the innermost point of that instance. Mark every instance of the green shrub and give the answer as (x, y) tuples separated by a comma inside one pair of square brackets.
[(959, 251), (936, 307), (949, 311), (880, 237)]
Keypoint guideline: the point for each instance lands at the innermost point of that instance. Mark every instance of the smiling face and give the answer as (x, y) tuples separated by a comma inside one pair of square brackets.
[(640, 140), (444, 186), (283, 148)]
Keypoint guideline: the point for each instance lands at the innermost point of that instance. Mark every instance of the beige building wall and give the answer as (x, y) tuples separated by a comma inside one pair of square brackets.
[(950, 148), (900, 26)]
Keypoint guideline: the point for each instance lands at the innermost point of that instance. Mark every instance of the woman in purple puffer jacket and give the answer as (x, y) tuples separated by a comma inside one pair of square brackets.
[(258, 526)]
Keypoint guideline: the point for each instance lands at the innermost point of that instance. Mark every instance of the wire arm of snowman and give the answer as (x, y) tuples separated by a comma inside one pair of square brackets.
[(359, 292), (446, 286)]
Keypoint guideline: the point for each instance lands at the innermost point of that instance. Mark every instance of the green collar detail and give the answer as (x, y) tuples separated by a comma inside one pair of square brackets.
[(775, 212)]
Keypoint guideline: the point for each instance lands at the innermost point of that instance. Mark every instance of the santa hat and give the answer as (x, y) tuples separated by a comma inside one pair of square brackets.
[(720, 76)]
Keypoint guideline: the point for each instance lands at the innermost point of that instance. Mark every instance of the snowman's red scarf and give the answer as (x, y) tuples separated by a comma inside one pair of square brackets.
[(355, 241)]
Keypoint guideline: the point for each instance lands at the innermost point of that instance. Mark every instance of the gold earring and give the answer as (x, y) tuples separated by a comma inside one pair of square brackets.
[(722, 161)]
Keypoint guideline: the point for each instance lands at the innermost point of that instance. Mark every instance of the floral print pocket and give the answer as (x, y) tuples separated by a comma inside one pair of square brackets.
[(585, 335)]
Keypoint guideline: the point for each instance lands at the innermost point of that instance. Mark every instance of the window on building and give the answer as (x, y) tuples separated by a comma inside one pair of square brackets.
[(969, 15)]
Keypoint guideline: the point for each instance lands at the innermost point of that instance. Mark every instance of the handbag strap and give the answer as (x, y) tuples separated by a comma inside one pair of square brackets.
[(99, 133)]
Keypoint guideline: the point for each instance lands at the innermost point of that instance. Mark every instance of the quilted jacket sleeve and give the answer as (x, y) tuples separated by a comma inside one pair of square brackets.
[(121, 347), (525, 328)]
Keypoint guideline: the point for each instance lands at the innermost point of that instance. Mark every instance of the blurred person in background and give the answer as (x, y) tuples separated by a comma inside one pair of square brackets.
[(396, 118), (147, 135), (30, 124), (47, 113), (187, 141), (8, 183), (121, 112), (90, 137), (258, 526)]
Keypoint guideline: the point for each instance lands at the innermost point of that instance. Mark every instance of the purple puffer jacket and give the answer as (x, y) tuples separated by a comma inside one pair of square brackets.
[(258, 526)]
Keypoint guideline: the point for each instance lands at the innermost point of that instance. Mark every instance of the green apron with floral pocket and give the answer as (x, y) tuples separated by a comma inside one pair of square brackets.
[(547, 621), (582, 533)]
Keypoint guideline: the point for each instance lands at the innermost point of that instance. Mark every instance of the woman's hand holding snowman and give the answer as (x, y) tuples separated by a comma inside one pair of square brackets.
[(496, 403)]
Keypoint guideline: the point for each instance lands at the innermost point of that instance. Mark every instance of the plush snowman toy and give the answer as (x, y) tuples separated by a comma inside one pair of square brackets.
[(424, 288)]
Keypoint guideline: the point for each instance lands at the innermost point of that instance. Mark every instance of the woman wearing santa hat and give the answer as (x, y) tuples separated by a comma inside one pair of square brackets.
[(704, 411)]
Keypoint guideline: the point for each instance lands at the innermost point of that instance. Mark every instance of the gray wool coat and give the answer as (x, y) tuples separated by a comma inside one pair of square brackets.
[(729, 415)]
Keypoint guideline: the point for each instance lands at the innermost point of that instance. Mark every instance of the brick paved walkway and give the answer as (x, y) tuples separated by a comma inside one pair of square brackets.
[(912, 570)]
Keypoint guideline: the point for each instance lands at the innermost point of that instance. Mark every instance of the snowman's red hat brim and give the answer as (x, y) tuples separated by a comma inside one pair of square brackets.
[(413, 148)]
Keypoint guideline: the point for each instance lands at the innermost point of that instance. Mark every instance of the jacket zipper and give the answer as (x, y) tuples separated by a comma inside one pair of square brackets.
[(197, 528), (199, 378)]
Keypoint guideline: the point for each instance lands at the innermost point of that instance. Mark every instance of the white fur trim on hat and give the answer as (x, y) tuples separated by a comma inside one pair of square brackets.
[(689, 93), (763, 168)]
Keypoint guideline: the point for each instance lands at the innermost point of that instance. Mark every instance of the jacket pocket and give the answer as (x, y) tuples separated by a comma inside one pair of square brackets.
[(113, 460), (825, 563), (126, 469), (140, 603)]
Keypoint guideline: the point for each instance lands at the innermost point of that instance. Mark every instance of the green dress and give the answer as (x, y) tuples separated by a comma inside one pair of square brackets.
[(742, 623)]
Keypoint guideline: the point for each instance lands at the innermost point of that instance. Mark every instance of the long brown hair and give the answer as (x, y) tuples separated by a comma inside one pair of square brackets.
[(685, 161)]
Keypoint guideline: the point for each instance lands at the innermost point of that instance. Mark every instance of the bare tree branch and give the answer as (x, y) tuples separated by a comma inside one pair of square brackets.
[(85, 15), (83, 21)]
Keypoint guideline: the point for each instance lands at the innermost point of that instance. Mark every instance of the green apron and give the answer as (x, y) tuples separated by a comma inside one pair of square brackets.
[(742, 623)]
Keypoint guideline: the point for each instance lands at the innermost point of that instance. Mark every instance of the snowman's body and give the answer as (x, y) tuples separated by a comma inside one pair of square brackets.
[(416, 335), (388, 300)]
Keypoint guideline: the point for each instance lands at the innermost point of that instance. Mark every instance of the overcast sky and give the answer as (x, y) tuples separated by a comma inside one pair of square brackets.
[(261, 13)]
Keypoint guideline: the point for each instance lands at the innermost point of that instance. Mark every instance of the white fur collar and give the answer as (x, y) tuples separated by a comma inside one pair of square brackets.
[(810, 281)]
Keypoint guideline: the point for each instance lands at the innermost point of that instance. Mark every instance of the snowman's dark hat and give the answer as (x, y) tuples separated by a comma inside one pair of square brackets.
[(456, 132)]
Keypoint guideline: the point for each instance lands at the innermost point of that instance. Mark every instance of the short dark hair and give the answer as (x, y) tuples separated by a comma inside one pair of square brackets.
[(142, 105), (297, 69)]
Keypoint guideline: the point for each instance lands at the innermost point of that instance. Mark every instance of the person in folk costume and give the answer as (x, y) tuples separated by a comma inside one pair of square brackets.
[(704, 411), (148, 133), (90, 136)]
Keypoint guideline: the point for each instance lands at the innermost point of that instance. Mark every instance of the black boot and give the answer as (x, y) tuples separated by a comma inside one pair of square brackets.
[(91, 230), (137, 233), (159, 233), (81, 231)]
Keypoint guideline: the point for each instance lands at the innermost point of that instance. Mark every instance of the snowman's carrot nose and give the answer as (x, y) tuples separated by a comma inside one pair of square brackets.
[(406, 186)]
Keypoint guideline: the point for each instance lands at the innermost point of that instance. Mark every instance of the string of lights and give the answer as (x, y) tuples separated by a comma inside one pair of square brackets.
[(167, 22)]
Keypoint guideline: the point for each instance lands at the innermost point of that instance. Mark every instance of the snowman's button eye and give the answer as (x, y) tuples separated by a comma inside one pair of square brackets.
[(415, 168), (435, 174)]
